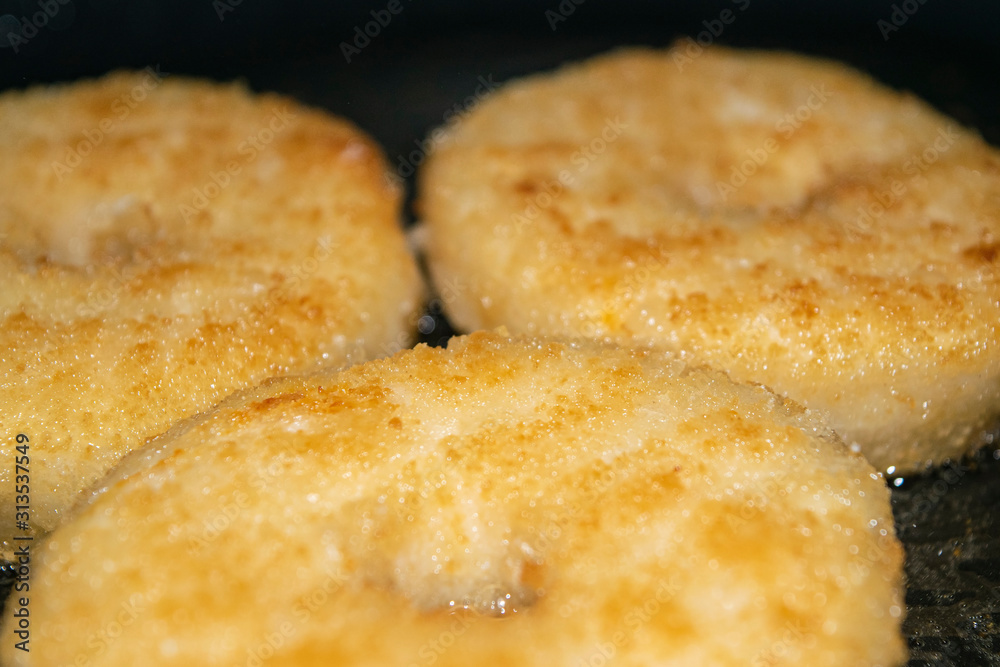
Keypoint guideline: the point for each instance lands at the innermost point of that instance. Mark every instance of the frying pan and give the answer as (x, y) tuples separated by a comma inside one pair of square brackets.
[(414, 66)]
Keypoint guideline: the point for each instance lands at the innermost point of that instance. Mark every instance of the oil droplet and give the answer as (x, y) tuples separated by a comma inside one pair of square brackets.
[(426, 324)]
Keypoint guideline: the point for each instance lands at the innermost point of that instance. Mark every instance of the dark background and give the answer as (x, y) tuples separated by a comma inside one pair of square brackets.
[(429, 58), (430, 54)]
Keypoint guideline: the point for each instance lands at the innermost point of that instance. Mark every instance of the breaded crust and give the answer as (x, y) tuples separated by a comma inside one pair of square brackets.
[(782, 218), (164, 242), (514, 502)]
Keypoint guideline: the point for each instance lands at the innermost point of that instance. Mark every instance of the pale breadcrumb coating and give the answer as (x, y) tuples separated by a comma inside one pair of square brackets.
[(164, 242), (782, 218), (510, 502)]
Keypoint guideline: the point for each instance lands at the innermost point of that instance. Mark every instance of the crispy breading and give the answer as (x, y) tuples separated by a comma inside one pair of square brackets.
[(504, 501), (164, 242), (782, 218)]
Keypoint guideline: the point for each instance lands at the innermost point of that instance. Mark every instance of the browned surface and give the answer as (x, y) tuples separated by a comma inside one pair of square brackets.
[(515, 502), (128, 303), (851, 266)]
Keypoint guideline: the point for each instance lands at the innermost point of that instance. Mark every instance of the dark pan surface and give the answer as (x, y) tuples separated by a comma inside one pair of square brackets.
[(949, 526)]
